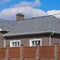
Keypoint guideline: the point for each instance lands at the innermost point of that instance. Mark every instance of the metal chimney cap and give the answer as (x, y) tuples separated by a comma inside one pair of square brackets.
[(21, 14)]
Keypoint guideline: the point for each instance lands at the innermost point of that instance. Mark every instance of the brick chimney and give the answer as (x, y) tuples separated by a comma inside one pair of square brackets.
[(19, 16)]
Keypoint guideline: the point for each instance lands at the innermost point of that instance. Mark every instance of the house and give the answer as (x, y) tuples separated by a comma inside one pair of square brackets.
[(38, 31), (43, 31)]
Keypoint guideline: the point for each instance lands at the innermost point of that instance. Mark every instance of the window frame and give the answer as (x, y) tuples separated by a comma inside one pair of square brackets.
[(15, 41), (35, 40)]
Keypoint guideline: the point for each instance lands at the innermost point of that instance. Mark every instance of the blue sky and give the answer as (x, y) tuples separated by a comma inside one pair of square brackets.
[(50, 4), (33, 8)]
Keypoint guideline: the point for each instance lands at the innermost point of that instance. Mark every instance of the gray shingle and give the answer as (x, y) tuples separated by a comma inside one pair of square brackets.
[(29, 26)]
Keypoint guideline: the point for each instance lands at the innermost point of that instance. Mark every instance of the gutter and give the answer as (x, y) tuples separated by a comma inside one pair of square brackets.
[(50, 38)]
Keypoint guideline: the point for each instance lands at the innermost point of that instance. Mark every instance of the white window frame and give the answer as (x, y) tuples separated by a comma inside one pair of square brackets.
[(35, 40), (11, 45)]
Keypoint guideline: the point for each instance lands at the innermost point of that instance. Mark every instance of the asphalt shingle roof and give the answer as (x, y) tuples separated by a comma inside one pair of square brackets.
[(33, 25)]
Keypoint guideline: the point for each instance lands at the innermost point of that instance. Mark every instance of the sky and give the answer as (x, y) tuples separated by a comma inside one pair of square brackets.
[(30, 8)]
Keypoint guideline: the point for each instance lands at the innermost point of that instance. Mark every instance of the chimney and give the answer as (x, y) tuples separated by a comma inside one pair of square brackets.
[(19, 16)]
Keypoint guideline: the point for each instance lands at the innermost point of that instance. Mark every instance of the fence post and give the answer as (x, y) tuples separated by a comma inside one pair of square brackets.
[(37, 53), (7, 49), (21, 52), (56, 52)]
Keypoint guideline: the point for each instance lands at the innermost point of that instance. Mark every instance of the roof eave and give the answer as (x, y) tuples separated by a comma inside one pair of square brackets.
[(25, 34)]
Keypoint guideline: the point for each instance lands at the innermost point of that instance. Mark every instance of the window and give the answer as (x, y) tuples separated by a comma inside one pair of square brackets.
[(15, 43), (35, 42)]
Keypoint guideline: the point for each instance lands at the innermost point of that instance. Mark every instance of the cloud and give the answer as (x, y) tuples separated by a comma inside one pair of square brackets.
[(28, 4), (37, 2), (55, 13), (27, 8), (10, 14), (29, 12), (23, 7), (4, 1)]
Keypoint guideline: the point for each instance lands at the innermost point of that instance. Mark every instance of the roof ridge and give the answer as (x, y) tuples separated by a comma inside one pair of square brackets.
[(37, 17)]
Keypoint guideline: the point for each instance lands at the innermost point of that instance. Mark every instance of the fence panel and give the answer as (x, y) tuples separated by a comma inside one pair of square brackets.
[(29, 52), (46, 52), (14, 53), (58, 51), (2, 52)]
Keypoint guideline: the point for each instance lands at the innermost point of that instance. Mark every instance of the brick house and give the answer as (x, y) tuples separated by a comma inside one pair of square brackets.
[(38, 31)]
